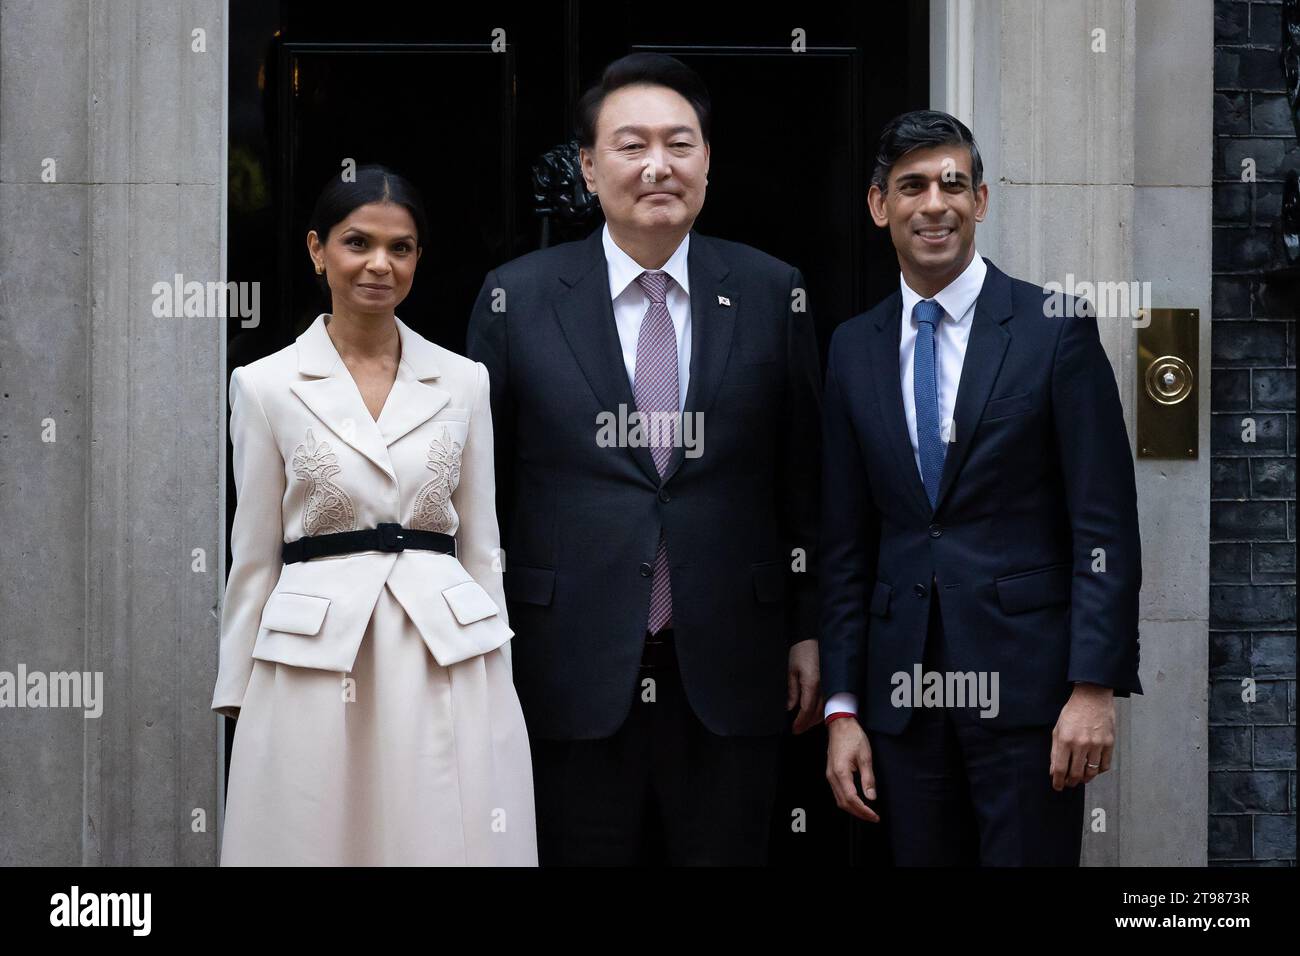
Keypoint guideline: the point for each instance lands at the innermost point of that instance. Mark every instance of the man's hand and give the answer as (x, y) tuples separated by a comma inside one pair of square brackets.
[(803, 685), (848, 752), (1084, 736)]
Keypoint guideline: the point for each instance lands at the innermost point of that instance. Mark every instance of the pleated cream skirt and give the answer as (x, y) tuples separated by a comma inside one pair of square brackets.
[(428, 765)]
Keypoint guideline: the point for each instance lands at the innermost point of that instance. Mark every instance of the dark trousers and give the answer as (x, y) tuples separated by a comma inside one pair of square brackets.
[(956, 792), (661, 790)]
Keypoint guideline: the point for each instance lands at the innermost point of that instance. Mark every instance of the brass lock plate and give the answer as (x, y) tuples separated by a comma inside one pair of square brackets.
[(1167, 385)]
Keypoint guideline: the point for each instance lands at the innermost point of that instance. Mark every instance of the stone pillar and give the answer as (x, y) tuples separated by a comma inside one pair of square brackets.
[(112, 452), (1095, 123)]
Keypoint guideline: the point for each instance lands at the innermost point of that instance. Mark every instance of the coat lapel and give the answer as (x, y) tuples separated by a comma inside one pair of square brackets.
[(586, 317), (412, 402), (984, 352), (712, 328), (889, 398), (333, 396)]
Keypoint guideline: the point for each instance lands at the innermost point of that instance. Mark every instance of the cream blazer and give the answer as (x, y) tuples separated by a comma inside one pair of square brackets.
[(309, 459)]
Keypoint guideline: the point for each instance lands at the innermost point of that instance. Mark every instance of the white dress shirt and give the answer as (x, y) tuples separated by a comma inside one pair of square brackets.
[(950, 336), (631, 304)]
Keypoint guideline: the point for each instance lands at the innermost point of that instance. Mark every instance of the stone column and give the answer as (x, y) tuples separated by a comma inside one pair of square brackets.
[(112, 453), (1095, 123)]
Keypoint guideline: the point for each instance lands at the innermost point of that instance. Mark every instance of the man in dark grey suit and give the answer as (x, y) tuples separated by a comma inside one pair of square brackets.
[(659, 577)]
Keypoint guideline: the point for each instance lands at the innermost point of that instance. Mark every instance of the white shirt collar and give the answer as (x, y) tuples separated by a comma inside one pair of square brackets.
[(956, 297), (623, 269)]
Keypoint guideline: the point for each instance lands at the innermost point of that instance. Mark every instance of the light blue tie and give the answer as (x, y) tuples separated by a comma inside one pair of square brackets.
[(929, 442)]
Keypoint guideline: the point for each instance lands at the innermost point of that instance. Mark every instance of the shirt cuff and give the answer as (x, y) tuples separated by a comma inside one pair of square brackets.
[(841, 703)]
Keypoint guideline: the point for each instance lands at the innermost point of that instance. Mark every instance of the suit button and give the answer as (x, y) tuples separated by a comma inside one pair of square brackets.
[(663, 496), (935, 531), (918, 590), (646, 570)]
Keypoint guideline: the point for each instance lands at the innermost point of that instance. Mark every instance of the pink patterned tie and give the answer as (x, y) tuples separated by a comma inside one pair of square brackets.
[(656, 390)]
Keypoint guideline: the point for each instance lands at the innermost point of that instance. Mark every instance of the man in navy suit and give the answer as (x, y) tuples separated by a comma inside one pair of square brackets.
[(980, 557), (660, 590)]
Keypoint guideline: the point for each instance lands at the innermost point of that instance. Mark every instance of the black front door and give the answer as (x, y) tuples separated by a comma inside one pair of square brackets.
[(465, 101)]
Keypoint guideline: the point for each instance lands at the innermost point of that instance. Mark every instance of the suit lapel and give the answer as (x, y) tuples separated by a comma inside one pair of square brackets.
[(984, 352), (338, 404), (412, 402), (889, 398), (586, 317), (712, 328), (332, 395)]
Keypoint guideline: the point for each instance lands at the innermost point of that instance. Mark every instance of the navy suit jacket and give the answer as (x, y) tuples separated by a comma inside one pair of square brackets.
[(580, 522), (1037, 491)]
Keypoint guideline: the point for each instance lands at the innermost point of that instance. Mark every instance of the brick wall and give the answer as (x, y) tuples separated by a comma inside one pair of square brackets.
[(1252, 509)]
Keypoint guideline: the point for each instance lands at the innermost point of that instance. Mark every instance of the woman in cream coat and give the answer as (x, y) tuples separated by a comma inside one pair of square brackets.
[(378, 723)]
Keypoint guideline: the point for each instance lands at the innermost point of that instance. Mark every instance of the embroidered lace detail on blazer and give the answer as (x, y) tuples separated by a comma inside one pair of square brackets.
[(329, 507), (433, 501)]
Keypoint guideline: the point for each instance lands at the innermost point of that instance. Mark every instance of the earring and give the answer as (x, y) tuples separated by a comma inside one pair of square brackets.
[(320, 269)]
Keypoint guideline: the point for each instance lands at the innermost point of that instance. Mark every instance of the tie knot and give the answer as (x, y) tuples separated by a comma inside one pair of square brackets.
[(655, 285), (928, 311)]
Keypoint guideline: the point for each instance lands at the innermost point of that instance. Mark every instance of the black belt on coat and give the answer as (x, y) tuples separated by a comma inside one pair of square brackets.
[(387, 536)]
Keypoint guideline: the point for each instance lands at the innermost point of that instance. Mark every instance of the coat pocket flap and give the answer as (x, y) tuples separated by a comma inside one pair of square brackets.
[(294, 613), (769, 582), (529, 585), (469, 602), (1008, 405), (465, 622), (1028, 590), (880, 597)]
